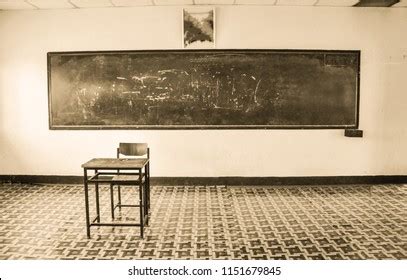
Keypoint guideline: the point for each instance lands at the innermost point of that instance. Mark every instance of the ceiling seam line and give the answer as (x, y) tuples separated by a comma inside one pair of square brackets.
[(70, 2), (31, 4)]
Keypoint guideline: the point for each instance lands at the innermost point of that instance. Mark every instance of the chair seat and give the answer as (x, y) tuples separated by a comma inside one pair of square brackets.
[(127, 179)]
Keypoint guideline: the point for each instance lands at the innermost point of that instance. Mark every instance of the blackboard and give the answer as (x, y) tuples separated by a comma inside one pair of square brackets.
[(198, 89)]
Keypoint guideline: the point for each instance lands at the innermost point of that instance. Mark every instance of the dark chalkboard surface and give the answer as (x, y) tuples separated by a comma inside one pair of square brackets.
[(204, 89)]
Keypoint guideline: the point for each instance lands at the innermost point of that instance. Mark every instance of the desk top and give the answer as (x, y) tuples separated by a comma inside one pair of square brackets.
[(115, 163)]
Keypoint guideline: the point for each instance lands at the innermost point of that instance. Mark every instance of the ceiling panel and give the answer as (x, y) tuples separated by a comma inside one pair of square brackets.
[(296, 2), (91, 3), (256, 2), (337, 3), (15, 5), (68, 4), (214, 2), (51, 4), (173, 2), (402, 3), (130, 3)]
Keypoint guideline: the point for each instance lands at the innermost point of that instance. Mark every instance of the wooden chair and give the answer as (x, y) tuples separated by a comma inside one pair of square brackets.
[(133, 150)]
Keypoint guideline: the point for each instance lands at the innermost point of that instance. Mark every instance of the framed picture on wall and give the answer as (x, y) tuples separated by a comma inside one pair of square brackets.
[(198, 28)]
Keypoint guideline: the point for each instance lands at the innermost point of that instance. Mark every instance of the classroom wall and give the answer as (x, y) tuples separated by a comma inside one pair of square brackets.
[(27, 146)]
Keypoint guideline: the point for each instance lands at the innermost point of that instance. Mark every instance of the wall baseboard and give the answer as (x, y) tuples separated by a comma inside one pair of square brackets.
[(250, 181)]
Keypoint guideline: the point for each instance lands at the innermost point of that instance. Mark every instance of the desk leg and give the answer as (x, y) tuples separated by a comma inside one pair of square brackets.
[(112, 201), (97, 200), (119, 197), (141, 203), (85, 183)]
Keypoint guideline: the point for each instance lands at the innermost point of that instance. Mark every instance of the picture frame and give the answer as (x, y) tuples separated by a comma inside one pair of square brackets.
[(198, 28)]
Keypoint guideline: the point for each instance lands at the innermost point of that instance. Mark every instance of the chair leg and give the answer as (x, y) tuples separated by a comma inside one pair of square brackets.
[(141, 210), (119, 196), (97, 202), (112, 201), (145, 197)]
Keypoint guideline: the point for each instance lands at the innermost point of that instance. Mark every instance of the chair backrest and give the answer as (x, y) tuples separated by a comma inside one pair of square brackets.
[(133, 149)]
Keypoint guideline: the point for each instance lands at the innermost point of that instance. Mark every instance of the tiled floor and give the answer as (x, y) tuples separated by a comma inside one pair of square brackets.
[(210, 222)]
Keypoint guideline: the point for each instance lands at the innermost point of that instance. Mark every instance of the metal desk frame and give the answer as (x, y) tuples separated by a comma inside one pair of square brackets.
[(104, 171)]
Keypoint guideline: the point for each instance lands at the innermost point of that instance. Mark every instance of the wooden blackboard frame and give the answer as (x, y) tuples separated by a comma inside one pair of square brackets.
[(54, 126)]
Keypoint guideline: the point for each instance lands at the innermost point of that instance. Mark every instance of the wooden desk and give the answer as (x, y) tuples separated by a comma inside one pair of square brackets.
[(130, 171)]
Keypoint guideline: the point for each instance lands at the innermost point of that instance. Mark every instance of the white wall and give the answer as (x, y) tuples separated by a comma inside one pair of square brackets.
[(27, 146)]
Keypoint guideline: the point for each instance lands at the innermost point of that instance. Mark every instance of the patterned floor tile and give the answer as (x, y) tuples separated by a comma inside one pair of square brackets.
[(210, 222)]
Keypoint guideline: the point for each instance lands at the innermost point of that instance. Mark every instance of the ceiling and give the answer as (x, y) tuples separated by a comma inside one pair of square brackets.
[(82, 4)]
